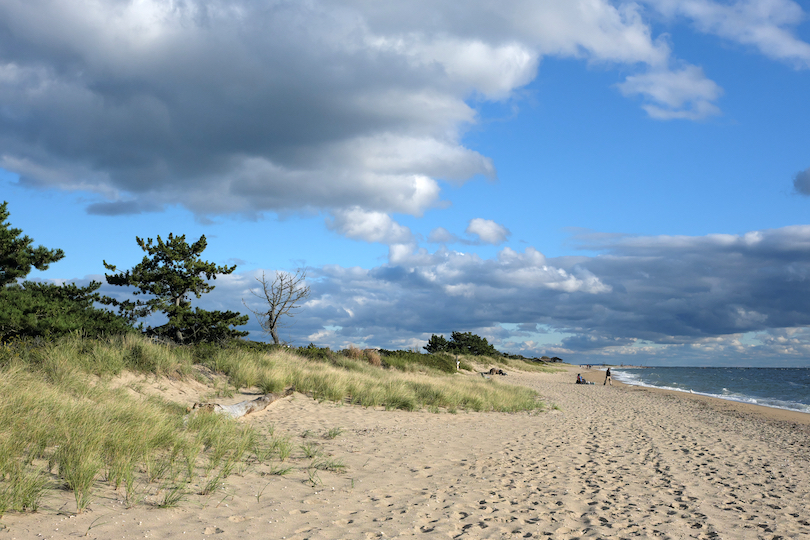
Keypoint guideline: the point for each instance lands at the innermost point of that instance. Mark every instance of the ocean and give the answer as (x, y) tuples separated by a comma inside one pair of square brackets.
[(782, 388)]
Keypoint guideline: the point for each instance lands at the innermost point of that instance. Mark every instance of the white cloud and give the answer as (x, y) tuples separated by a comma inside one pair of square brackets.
[(765, 25), (359, 224), (440, 235), (492, 70), (684, 94), (481, 231), (487, 231), (596, 30)]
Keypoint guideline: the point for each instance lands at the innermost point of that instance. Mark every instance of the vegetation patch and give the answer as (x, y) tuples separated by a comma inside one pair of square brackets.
[(61, 425), (66, 429), (414, 361)]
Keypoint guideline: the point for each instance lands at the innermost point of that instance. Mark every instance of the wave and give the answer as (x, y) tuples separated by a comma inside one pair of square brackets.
[(654, 380)]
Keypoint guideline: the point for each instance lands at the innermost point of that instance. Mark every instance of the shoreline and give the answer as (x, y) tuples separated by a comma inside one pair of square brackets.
[(725, 405)]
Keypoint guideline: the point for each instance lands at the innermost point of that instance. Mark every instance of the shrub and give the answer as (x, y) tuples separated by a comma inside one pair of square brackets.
[(373, 357), (461, 343), (313, 352), (353, 352), (411, 361)]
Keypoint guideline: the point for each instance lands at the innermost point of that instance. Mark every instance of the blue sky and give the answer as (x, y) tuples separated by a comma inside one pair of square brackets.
[(601, 181)]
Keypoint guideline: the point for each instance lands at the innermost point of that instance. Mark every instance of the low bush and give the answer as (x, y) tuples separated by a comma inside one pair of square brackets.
[(313, 352), (373, 357), (352, 352), (414, 361)]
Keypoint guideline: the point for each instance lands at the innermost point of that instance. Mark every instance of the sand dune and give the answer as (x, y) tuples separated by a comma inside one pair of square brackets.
[(612, 463)]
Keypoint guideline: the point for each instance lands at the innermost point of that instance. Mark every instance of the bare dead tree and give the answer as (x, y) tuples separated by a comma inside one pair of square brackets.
[(283, 295)]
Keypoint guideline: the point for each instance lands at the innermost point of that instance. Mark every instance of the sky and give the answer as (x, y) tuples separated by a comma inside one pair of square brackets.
[(603, 181)]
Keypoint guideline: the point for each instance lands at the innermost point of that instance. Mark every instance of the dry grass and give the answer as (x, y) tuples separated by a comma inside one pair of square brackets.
[(61, 425), (356, 381), (483, 363), (372, 357), (353, 352)]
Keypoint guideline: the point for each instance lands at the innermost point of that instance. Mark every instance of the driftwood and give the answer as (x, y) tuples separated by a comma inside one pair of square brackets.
[(238, 410)]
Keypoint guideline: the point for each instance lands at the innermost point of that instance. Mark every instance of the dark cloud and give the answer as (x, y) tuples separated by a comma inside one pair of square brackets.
[(642, 295), (664, 299), (585, 343), (801, 182), (121, 208), (248, 107), (531, 328)]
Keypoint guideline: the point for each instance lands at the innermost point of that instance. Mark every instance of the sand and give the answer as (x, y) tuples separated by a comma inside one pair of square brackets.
[(611, 462)]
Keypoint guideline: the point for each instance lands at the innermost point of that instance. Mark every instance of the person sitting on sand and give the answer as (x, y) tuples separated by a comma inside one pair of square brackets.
[(580, 380)]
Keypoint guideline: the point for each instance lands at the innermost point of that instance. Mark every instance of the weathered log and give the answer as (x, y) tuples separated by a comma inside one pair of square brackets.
[(242, 408)]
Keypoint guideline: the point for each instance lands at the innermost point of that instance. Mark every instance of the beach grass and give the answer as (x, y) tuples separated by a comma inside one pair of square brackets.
[(62, 424), (61, 427), (359, 382)]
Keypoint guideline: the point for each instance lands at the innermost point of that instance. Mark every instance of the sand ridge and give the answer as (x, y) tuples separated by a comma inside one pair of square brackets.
[(611, 462)]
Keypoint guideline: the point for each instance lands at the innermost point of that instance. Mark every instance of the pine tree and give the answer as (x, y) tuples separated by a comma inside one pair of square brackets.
[(48, 310), (17, 256), (436, 344), (461, 343), (171, 272), (36, 309)]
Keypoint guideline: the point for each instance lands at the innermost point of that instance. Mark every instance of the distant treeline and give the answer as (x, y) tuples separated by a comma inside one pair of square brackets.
[(472, 344)]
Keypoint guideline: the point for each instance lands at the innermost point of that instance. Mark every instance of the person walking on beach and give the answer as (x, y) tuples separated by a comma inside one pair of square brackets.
[(607, 378)]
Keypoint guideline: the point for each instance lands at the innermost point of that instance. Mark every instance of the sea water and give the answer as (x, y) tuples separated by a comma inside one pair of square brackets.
[(782, 388)]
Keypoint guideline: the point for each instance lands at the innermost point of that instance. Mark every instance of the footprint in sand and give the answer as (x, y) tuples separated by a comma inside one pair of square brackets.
[(212, 530)]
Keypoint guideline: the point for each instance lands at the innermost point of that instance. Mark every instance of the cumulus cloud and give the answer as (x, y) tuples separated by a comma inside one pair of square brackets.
[(650, 297), (359, 224), (480, 231), (440, 235), (487, 231), (436, 293), (251, 107)]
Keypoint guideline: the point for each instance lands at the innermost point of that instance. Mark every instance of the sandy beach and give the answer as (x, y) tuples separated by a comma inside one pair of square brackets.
[(608, 462)]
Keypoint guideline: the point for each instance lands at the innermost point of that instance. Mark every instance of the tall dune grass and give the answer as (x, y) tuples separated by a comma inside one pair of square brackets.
[(60, 423), (100, 357), (58, 426), (357, 381)]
